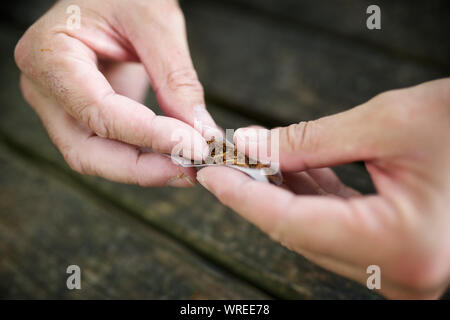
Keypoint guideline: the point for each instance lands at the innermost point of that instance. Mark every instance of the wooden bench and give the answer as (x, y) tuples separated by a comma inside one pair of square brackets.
[(259, 64)]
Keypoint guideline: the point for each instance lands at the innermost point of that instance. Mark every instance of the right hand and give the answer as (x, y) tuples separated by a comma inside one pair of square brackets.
[(87, 86), (403, 136)]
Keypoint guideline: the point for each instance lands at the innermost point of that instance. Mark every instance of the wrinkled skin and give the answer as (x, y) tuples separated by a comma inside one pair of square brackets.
[(87, 86)]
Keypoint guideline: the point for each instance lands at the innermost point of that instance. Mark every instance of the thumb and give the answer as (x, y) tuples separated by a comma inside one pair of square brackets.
[(346, 137), (159, 37)]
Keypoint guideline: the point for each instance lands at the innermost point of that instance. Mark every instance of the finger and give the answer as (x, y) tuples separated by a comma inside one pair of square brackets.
[(161, 44), (120, 162), (302, 183), (71, 76), (333, 232), (317, 182), (325, 225), (238, 195), (330, 183), (93, 155), (349, 136), (128, 79)]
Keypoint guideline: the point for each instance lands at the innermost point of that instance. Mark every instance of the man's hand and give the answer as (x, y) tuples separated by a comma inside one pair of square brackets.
[(404, 138), (86, 85)]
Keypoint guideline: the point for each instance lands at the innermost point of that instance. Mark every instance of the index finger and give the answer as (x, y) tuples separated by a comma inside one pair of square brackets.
[(70, 75), (321, 224)]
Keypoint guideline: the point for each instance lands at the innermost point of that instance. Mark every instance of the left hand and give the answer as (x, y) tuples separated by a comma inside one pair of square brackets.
[(87, 85)]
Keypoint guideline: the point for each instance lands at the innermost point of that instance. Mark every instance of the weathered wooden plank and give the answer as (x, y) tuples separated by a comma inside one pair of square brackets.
[(192, 216), (46, 225), (286, 74), (411, 29)]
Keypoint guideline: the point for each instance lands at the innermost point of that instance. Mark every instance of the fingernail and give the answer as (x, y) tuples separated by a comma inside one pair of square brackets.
[(190, 181), (202, 181), (204, 123), (202, 115), (210, 133), (181, 181), (249, 134)]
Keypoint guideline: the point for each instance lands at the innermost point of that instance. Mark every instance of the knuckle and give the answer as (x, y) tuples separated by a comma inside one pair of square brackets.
[(392, 108), (164, 13), (386, 100), (140, 180), (405, 108), (135, 170), (389, 96), (77, 159), (143, 8), (28, 52), (93, 115), (78, 162), (399, 98), (175, 15), (53, 81), (298, 136), (184, 79), (72, 158), (172, 11), (21, 54), (412, 107), (61, 61)]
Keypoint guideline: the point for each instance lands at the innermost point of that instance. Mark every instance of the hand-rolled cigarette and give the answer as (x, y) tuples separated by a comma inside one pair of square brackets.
[(224, 153)]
